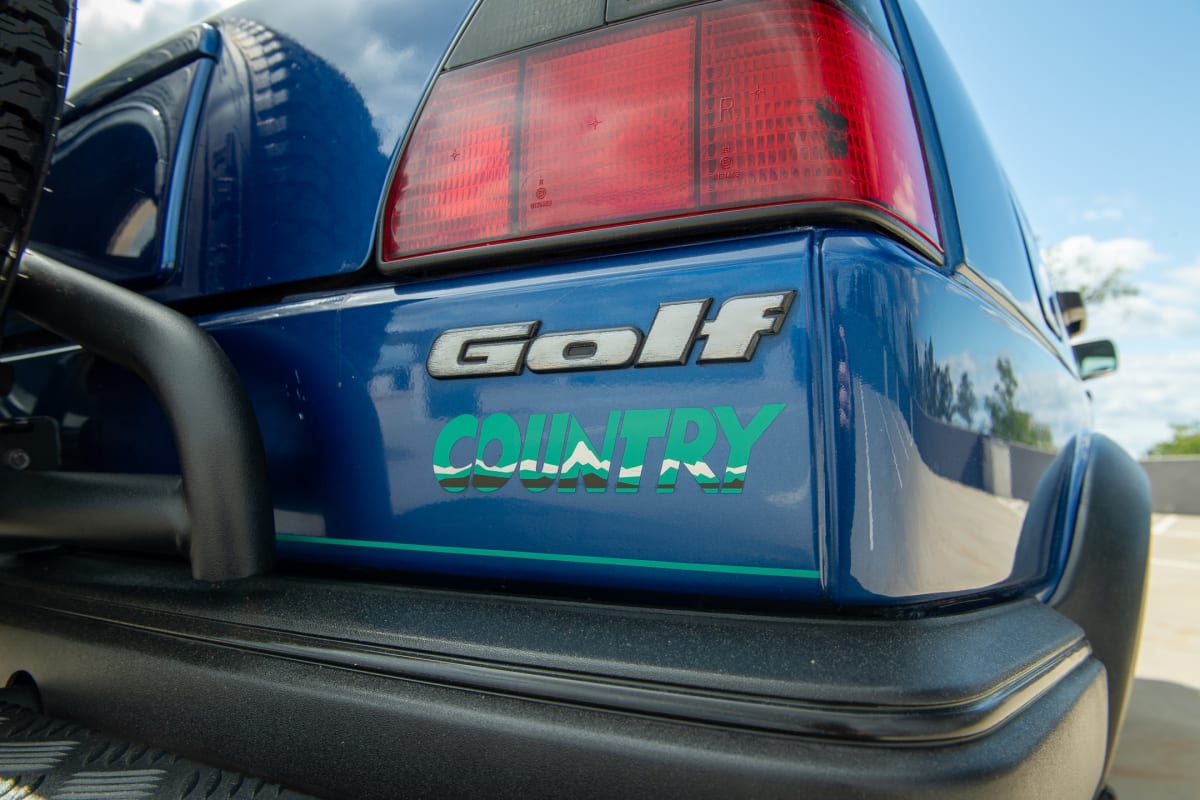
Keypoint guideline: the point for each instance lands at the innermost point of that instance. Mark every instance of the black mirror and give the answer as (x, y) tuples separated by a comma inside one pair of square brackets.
[(1096, 358), (1070, 305)]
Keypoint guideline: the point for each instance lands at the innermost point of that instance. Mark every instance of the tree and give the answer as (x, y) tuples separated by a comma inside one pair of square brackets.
[(964, 404), (1067, 265), (935, 390), (1008, 421), (1185, 441), (1111, 286)]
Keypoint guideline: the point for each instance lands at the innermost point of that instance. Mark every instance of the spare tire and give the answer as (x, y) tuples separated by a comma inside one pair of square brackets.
[(35, 55)]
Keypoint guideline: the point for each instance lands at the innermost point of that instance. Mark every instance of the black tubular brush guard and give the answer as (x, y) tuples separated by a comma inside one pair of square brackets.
[(218, 511)]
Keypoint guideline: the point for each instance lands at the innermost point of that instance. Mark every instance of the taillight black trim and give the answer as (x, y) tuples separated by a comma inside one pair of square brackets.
[(478, 40), (485, 35), (621, 236)]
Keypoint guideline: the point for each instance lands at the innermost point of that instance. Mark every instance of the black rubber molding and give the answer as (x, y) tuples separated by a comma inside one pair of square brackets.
[(228, 528), (1103, 589)]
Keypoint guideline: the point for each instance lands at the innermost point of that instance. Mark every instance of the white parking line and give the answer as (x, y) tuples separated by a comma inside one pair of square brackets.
[(891, 445), (862, 406), (900, 433), (1164, 524), (1195, 537), (1176, 563), (1165, 527)]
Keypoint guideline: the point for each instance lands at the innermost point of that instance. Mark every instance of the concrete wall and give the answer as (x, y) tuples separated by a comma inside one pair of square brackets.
[(1012, 470), (1028, 467), (1174, 483), (949, 450), (1003, 468)]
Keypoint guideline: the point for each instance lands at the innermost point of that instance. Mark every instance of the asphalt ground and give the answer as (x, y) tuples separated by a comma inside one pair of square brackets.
[(1158, 757)]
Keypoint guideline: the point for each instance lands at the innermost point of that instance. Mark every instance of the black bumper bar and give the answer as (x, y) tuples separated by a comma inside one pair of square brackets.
[(362, 691)]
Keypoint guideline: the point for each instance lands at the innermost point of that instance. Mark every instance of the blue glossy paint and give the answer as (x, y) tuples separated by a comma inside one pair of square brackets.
[(931, 485), (351, 417), (910, 511), (1060, 553), (179, 186), (371, 417), (307, 105), (132, 155)]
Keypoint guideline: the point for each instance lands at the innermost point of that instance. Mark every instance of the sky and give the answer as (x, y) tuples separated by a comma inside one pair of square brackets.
[(1093, 109), (1094, 112)]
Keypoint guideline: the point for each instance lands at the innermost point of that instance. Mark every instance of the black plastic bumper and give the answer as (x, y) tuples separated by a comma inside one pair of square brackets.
[(368, 691)]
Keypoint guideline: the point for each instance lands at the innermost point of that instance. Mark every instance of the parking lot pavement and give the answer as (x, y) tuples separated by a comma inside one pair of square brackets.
[(1159, 754)]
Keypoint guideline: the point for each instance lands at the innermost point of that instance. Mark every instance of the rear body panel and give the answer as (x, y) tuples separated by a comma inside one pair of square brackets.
[(938, 452), (475, 475), (705, 478)]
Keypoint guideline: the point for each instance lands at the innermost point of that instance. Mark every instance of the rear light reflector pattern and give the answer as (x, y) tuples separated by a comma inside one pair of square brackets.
[(612, 128), (464, 147), (732, 104)]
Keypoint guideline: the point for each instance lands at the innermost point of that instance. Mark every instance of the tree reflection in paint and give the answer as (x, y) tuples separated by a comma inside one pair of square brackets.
[(1008, 421), (936, 391), (943, 398)]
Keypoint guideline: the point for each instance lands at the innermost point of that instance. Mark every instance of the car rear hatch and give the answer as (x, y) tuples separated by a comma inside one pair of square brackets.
[(575, 393)]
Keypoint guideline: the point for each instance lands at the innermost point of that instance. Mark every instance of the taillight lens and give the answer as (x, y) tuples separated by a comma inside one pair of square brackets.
[(460, 194), (702, 109)]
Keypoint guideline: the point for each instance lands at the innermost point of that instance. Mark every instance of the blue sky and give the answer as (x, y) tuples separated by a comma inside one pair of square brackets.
[(1093, 110), (1091, 107)]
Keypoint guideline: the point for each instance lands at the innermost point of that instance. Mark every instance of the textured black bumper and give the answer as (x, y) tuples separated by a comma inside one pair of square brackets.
[(367, 691)]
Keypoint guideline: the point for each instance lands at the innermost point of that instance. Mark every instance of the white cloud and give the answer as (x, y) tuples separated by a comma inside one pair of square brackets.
[(1105, 208), (962, 362), (391, 78), (1168, 303), (107, 32), (1157, 333), (1136, 405), (374, 68), (106, 16), (1081, 260), (1157, 313), (1182, 286)]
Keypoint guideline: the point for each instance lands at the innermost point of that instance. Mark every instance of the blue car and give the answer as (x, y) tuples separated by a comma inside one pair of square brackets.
[(556, 398)]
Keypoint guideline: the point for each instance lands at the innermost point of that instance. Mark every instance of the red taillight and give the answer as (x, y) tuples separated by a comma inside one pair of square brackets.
[(720, 106), (610, 130), (463, 145)]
